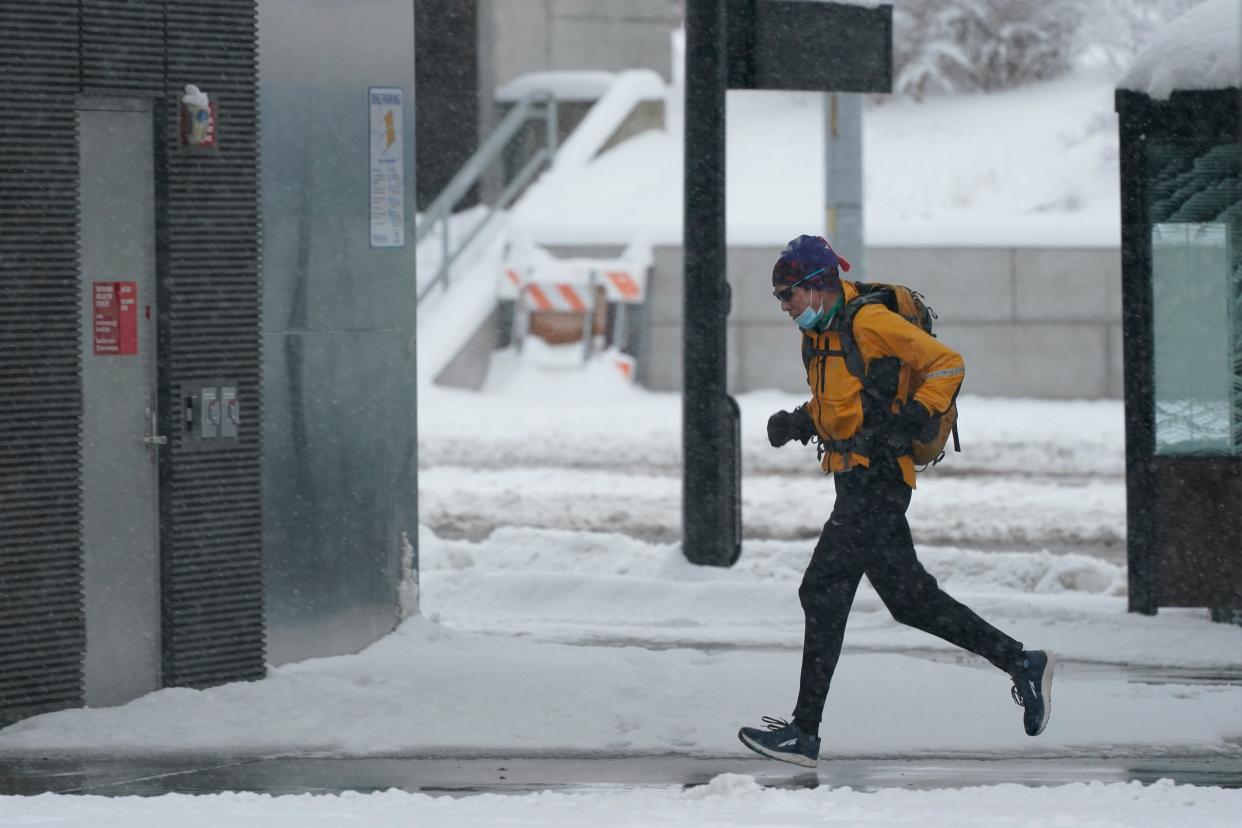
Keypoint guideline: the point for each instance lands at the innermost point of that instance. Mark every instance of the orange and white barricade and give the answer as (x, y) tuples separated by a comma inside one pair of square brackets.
[(566, 300)]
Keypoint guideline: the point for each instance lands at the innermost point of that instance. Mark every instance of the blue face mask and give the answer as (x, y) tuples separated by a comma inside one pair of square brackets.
[(807, 318), (811, 318)]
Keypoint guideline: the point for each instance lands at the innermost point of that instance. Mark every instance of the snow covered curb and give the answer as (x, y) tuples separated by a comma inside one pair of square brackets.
[(727, 800)]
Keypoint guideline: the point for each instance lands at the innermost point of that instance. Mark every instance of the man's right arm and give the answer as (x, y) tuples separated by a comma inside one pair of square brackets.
[(784, 426)]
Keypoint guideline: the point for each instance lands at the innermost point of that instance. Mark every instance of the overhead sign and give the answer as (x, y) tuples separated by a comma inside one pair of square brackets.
[(115, 318), (387, 168), (817, 47)]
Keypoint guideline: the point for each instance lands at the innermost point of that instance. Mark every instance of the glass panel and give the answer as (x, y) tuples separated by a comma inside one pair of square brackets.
[(1195, 210), (1193, 330)]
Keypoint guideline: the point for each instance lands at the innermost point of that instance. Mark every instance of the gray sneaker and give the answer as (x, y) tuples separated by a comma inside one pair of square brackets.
[(783, 741), (1032, 689)]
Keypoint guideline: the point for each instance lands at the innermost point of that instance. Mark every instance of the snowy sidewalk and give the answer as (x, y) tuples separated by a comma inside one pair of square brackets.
[(427, 691)]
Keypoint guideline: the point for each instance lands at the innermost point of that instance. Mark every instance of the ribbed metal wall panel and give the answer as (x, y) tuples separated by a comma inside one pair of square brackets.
[(123, 47), (208, 260), (42, 627), (209, 251)]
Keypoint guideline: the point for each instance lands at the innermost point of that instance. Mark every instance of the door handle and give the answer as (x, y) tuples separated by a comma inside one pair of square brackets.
[(153, 438)]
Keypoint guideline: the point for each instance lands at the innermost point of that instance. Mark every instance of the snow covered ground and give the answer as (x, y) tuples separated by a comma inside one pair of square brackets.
[(561, 619)]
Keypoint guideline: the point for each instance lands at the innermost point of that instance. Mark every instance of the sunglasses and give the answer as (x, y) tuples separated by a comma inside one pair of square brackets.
[(786, 294)]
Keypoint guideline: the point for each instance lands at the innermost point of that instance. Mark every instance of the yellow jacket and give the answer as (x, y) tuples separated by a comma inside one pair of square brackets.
[(836, 395)]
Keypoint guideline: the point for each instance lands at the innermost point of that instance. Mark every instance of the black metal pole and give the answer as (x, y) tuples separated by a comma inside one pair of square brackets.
[(1142, 515), (710, 507)]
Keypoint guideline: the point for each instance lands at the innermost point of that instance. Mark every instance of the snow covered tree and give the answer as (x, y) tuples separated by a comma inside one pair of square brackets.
[(946, 46), (981, 45)]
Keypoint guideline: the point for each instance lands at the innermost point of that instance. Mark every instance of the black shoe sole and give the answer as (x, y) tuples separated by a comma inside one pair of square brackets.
[(792, 758)]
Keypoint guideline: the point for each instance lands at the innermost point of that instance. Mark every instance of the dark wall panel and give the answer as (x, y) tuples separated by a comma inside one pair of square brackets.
[(42, 627), (208, 248), (446, 72), (1200, 531)]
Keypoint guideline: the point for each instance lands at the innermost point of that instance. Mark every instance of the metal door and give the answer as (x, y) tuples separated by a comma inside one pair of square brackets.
[(120, 445)]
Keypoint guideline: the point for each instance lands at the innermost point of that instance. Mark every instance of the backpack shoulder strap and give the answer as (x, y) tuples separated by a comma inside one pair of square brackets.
[(810, 349), (845, 327)]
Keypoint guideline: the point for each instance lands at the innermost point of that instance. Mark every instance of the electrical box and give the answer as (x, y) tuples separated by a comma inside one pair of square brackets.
[(231, 412), (211, 412)]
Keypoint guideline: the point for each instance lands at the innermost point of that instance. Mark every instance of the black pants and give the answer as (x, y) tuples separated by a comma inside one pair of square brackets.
[(867, 534)]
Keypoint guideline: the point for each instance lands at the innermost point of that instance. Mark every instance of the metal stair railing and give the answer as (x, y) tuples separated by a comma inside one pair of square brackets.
[(535, 105)]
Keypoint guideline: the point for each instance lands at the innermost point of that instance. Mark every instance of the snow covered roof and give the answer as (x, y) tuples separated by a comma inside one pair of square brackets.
[(1201, 49)]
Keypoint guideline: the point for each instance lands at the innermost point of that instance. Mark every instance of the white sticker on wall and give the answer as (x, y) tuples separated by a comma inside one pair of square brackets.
[(387, 169)]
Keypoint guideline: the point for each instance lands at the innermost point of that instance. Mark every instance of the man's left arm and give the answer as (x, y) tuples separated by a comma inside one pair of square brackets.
[(880, 331)]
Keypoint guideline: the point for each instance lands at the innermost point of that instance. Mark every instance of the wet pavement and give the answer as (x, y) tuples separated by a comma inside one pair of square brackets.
[(460, 777)]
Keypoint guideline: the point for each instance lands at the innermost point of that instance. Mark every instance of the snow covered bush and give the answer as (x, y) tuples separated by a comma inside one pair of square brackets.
[(945, 46), (980, 45)]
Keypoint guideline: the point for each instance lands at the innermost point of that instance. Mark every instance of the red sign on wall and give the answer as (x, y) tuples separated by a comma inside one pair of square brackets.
[(198, 126), (116, 318)]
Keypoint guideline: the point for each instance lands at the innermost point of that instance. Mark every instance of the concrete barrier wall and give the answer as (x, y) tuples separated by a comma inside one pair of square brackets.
[(1038, 322)]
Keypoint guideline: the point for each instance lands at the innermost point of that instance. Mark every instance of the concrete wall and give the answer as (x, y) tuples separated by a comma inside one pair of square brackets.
[(521, 36), (539, 35), (1030, 322)]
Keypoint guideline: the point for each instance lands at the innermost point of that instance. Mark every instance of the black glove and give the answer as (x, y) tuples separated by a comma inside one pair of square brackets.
[(924, 426), (784, 426), (895, 437)]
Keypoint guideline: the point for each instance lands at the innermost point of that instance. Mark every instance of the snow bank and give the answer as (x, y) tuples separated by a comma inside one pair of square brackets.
[(727, 800), (996, 512), (605, 554), (555, 374), (1201, 49), (1035, 166), (622, 428), (604, 588)]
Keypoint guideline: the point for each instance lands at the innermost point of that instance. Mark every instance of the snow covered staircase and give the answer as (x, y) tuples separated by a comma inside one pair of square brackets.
[(460, 254)]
